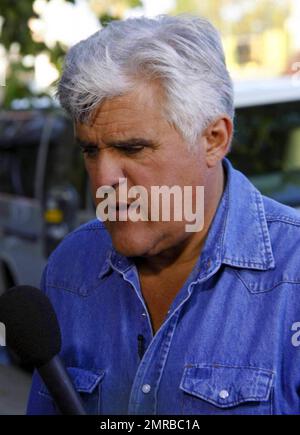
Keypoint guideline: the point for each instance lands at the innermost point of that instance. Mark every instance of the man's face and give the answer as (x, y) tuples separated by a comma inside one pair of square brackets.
[(129, 138)]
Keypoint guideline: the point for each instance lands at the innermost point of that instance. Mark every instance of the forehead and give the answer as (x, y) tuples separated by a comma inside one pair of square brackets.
[(138, 112)]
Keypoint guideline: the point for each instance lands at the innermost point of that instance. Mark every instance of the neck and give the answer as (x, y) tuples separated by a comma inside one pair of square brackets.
[(186, 253)]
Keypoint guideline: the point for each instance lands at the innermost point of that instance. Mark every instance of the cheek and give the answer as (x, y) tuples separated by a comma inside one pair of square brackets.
[(93, 187), (93, 175), (185, 170)]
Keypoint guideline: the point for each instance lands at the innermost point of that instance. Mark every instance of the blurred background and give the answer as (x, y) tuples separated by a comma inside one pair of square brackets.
[(44, 192), (260, 37)]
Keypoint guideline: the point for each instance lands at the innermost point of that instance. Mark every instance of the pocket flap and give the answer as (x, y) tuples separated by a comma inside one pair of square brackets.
[(226, 386), (84, 381)]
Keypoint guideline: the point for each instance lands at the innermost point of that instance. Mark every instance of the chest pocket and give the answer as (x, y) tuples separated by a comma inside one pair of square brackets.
[(88, 385), (221, 389)]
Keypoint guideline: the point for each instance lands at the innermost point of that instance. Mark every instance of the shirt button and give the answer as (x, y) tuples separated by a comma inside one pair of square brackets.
[(144, 314), (146, 388), (223, 394)]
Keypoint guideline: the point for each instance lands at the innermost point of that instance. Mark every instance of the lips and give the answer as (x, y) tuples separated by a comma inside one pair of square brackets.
[(125, 206), (120, 211), (122, 206)]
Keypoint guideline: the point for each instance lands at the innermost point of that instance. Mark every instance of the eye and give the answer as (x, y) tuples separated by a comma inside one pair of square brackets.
[(89, 151), (130, 149)]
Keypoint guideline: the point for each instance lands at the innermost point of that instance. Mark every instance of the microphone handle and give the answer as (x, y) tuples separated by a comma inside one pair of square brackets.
[(60, 386)]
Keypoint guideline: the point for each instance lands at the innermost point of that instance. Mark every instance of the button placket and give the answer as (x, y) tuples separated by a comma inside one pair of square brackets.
[(146, 388), (224, 394)]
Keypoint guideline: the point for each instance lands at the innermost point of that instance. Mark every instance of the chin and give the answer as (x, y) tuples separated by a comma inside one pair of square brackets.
[(131, 239)]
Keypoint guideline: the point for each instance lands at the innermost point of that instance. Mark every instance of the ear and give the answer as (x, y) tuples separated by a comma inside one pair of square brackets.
[(217, 138)]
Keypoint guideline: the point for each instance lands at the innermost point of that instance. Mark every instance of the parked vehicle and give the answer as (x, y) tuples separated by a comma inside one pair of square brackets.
[(266, 145), (44, 191)]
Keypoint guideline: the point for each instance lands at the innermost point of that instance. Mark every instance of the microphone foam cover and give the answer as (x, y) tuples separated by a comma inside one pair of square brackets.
[(32, 329)]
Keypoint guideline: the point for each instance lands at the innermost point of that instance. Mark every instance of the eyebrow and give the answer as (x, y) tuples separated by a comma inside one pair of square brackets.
[(118, 143), (131, 142)]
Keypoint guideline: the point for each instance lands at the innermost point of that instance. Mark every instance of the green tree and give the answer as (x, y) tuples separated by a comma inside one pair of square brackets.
[(15, 33)]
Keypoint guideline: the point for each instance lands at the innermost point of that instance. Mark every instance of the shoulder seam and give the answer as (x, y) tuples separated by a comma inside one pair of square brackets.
[(85, 227), (283, 219)]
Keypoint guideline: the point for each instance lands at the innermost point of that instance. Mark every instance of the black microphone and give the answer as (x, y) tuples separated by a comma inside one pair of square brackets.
[(33, 333)]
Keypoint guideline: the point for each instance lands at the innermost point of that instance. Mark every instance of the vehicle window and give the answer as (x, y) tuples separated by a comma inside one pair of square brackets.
[(21, 140), (19, 145), (65, 165), (266, 147)]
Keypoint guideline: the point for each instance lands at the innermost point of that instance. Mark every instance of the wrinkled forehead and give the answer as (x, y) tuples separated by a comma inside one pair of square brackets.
[(145, 99), (139, 113)]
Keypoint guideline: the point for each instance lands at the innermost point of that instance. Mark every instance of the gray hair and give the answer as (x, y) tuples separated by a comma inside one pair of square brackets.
[(184, 53)]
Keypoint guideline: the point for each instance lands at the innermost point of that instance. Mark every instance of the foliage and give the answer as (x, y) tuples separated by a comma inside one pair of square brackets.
[(15, 29)]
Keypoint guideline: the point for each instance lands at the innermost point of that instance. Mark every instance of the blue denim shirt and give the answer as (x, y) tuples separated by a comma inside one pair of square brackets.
[(230, 343)]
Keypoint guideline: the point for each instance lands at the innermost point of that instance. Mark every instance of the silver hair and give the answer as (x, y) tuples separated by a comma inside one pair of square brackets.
[(184, 53)]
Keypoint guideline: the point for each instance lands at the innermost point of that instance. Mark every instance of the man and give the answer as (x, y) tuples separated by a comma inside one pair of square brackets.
[(156, 319)]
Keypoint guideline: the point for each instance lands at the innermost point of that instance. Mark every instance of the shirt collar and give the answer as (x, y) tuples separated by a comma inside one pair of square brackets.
[(238, 235), (115, 261)]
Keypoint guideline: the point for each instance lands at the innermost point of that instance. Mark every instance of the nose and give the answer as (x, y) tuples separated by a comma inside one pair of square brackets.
[(106, 170)]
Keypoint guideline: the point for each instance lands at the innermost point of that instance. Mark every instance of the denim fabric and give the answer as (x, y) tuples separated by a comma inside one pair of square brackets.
[(230, 343)]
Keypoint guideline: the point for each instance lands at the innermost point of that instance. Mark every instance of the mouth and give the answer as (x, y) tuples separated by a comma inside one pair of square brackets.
[(120, 211), (125, 206), (122, 206)]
